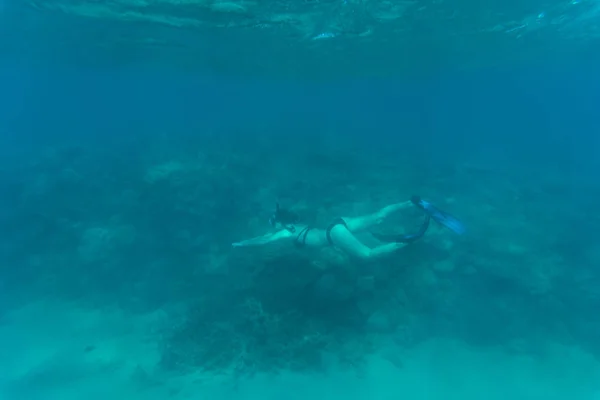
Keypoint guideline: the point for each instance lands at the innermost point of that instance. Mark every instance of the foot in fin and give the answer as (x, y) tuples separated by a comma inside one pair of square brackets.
[(439, 216)]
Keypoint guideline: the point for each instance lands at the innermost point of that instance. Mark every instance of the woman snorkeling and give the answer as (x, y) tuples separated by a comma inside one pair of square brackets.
[(340, 233)]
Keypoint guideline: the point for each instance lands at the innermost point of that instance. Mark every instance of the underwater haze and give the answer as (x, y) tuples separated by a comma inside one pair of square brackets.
[(145, 146)]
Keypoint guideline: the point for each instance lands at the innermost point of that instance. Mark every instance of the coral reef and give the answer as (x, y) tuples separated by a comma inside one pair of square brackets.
[(249, 340), (145, 232)]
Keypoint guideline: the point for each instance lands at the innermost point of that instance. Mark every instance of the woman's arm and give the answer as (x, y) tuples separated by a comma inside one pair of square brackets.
[(265, 239)]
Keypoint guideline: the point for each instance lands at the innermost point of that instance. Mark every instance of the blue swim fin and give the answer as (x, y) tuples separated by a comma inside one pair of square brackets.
[(439, 216)]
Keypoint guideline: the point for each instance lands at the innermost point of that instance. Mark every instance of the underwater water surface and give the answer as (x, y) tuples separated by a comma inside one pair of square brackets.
[(129, 167)]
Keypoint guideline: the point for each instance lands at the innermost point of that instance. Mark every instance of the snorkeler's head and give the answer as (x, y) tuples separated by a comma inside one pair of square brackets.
[(283, 217)]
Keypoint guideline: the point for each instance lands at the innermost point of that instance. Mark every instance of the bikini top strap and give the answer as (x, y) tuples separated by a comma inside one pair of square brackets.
[(301, 238)]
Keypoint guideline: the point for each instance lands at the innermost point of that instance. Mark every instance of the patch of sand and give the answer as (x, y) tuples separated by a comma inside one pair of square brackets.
[(53, 351)]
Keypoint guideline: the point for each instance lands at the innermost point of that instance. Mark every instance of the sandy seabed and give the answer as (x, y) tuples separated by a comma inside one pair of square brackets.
[(57, 351)]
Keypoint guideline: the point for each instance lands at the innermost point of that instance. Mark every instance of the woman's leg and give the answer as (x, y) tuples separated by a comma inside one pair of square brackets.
[(346, 241), (357, 224)]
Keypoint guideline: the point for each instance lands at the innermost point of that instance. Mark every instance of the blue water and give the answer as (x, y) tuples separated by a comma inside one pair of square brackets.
[(533, 113), (115, 278)]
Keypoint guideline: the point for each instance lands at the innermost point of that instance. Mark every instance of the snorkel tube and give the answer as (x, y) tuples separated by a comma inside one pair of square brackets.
[(284, 217)]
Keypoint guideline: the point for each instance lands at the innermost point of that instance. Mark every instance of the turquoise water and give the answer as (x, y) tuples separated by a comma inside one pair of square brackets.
[(128, 167), (309, 39)]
